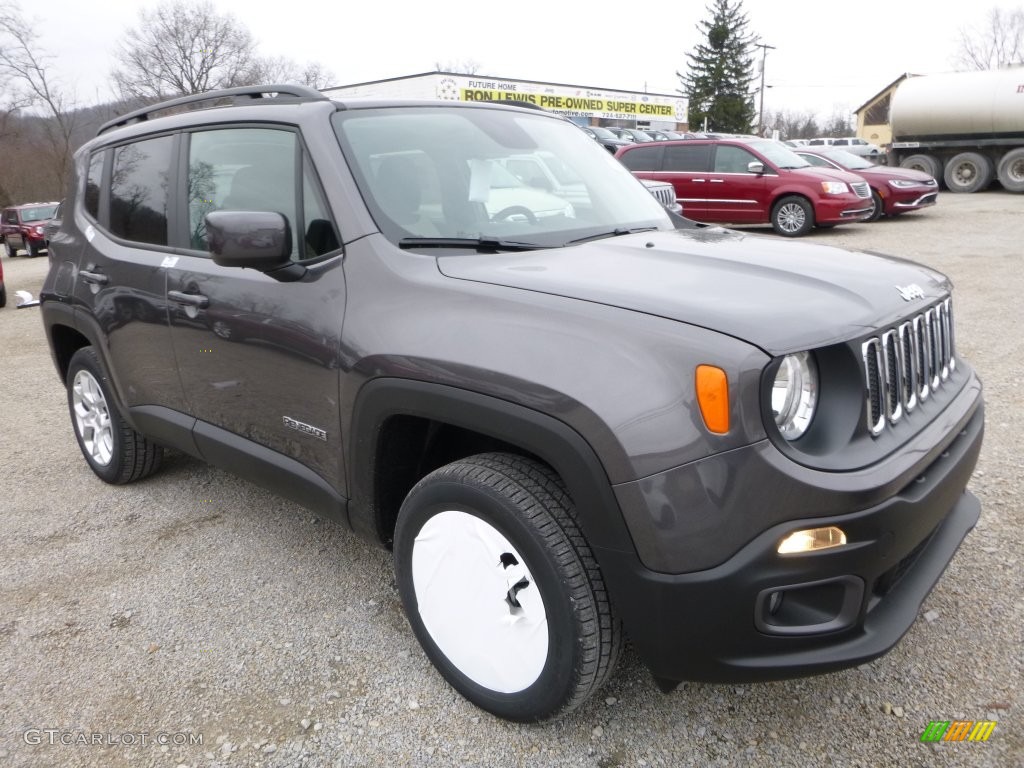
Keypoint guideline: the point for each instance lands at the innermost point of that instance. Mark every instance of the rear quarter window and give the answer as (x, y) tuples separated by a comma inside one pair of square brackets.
[(643, 158)]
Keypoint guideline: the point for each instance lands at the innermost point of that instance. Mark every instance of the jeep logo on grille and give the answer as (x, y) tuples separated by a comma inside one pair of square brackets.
[(910, 292), (305, 429)]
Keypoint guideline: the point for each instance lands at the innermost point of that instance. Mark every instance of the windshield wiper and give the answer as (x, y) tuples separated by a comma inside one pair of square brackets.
[(614, 233), (479, 243)]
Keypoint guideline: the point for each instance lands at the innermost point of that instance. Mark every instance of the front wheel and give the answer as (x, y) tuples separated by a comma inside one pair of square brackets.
[(9, 250), (501, 588), (877, 207), (793, 216), (31, 248), (115, 452)]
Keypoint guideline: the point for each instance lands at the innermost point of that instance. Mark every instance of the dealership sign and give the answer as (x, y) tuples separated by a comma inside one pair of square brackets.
[(566, 100)]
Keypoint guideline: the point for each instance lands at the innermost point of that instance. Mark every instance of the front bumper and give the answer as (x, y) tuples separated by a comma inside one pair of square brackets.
[(835, 209), (839, 608), (912, 202)]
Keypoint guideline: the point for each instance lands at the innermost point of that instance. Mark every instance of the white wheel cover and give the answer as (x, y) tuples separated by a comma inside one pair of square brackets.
[(462, 586)]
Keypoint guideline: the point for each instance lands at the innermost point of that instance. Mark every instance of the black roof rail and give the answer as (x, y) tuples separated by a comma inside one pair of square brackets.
[(295, 92)]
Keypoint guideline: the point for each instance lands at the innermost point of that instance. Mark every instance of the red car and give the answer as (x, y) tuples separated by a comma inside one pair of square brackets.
[(751, 181), (21, 227), (893, 190)]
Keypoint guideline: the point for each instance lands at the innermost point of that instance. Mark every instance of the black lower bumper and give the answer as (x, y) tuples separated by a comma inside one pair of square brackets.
[(764, 616)]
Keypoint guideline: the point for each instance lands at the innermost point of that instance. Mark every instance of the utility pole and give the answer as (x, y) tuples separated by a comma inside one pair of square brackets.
[(760, 112)]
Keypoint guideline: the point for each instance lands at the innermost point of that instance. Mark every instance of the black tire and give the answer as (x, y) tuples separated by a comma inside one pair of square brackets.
[(524, 505), (926, 163), (878, 207), (1011, 170), (31, 248), (968, 172), (3, 295), (793, 216), (9, 251), (131, 456)]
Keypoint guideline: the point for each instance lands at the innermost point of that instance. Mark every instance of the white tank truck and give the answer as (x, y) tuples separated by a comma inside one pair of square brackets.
[(963, 128)]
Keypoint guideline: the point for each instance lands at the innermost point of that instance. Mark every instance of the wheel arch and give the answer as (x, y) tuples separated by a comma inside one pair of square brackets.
[(390, 449)]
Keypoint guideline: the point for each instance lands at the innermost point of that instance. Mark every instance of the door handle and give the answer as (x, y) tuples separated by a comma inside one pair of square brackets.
[(699, 181), (94, 277), (718, 181), (192, 299)]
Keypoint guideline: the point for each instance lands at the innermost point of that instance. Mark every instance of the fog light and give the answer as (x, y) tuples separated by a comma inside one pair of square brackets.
[(811, 540)]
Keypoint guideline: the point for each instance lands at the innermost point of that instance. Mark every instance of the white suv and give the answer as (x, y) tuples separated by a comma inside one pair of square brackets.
[(852, 144)]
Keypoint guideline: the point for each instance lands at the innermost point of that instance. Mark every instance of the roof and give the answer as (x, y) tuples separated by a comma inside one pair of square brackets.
[(890, 86)]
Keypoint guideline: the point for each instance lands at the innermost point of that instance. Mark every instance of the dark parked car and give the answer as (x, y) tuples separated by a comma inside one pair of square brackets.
[(751, 181), (893, 190), (22, 227), (631, 135), (604, 137), (749, 455)]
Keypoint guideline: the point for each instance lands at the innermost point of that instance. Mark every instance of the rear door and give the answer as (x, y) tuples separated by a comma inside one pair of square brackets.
[(735, 194), (119, 290)]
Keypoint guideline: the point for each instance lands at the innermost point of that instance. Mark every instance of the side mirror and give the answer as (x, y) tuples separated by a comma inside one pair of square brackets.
[(755, 167), (260, 240)]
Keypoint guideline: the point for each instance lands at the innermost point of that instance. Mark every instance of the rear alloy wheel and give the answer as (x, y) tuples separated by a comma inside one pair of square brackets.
[(877, 207), (501, 588), (793, 216), (115, 452), (968, 172), (1011, 170), (926, 163), (31, 248)]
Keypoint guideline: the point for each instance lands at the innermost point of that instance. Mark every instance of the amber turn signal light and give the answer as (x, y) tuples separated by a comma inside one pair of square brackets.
[(713, 397)]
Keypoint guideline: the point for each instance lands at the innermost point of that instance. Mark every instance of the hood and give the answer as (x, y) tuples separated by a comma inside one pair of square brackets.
[(779, 295), (907, 174), (817, 173)]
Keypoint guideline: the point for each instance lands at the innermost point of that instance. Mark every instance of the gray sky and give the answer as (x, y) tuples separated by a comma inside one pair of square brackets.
[(829, 56)]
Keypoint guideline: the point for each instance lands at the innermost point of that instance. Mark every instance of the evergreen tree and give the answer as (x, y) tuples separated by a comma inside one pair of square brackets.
[(720, 71)]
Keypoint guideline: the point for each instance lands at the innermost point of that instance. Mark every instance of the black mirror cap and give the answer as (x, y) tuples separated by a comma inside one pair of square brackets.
[(256, 239)]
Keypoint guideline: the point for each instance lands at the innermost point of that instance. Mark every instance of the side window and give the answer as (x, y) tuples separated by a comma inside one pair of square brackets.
[(92, 184), (691, 158), (320, 236), (643, 158), (138, 190), (821, 162), (730, 159), (255, 169), (840, 142)]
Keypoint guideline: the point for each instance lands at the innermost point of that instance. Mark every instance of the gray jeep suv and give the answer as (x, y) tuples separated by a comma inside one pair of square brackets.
[(571, 420)]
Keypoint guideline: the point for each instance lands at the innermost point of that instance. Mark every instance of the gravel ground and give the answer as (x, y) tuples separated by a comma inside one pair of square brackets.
[(194, 603)]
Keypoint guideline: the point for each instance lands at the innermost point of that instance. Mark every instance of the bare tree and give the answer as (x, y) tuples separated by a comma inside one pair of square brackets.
[(180, 48), (25, 66), (462, 66), (184, 47), (997, 42)]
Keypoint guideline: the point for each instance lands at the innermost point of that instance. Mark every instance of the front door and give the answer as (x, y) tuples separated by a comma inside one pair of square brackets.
[(735, 194), (259, 358)]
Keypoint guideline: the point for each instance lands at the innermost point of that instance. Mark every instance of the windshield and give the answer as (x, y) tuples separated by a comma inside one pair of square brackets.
[(600, 132), (847, 159), (40, 213), (779, 154), (454, 172)]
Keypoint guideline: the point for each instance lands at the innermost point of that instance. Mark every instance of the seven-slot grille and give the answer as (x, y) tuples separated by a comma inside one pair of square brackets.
[(906, 364), (861, 189)]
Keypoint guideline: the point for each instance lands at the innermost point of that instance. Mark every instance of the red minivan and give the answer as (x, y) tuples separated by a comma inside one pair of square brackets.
[(751, 181)]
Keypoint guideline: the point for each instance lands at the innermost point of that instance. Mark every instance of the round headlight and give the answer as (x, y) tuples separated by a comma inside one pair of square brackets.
[(795, 394)]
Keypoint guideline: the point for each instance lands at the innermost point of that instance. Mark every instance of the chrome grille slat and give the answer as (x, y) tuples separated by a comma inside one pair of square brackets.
[(861, 189), (904, 365)]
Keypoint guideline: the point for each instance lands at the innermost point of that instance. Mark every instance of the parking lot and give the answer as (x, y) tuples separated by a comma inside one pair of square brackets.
[(136, 621)]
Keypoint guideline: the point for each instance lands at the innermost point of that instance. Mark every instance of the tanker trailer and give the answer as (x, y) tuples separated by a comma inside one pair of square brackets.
[(964, 128)]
